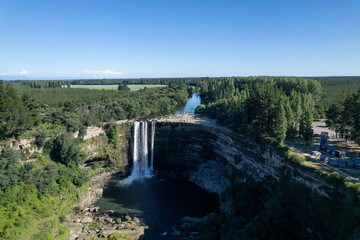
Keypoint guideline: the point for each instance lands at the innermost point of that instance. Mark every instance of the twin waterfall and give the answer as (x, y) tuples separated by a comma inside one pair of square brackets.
[(142, 167)]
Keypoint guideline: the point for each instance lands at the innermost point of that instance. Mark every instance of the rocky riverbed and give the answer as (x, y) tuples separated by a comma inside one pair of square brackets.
[(85, 221)]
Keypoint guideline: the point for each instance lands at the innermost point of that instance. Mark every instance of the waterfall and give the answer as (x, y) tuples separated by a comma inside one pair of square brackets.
[(136, 167), (152, 146), (141, 166)]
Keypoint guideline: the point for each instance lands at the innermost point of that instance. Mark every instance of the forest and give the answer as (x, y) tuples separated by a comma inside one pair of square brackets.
[(343, 116), (281, 107), (142, 81)]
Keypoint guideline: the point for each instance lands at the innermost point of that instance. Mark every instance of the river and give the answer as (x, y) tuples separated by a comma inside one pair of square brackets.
[(191, 105)]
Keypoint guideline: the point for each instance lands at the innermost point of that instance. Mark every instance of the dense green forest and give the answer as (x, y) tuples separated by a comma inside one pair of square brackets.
[(143, 81), (333, 85), (279, 106), (71, 110), (344, 115)]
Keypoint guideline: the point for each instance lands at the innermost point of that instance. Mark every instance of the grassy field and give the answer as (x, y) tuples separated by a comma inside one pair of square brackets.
[(114, 87)]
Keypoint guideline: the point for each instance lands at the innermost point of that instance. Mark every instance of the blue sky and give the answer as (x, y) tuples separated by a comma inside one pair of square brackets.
[(124, 39)]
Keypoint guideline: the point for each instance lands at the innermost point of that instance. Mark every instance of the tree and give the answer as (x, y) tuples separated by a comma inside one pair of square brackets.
[(123, 87), (40, 139), (9, 167), (306, 130), (16, 114), (66, 151), (281, 124)]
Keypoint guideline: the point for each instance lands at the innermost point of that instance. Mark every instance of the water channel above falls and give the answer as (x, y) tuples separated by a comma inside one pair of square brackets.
[(191, 105), (158, 203)]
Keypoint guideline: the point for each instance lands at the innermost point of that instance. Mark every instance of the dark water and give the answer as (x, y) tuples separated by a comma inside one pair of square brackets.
[(160, 204), (191, 104)]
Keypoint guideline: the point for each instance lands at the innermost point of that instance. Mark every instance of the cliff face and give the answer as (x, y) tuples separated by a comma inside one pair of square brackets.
[(206, 156)]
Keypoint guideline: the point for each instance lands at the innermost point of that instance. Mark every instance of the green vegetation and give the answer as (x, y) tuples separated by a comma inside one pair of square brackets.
[(344, 116), (115, 87), (278, 106), (28, 195), (333, 85), (17, 113), (134, 81), (61, 110)]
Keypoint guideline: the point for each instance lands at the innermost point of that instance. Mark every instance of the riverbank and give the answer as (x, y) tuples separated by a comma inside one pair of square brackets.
[(85, 221)]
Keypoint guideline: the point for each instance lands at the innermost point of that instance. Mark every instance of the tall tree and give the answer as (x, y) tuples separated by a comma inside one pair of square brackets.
[(306, 130), (281, 124)]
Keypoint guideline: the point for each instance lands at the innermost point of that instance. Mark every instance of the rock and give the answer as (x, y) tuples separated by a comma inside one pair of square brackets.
[(87, 219), (127, 218), (135, 219), (189, 227), (194, 234), (94, 209), (175, 232), (110, 212), (192, 220)]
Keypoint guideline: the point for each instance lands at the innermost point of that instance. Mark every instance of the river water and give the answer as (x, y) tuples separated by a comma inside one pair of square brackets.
[(191, 104), (159, 203)]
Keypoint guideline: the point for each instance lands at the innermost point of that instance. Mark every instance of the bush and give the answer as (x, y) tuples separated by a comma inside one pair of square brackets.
[(40, 139), (200, 109), (66, 151)]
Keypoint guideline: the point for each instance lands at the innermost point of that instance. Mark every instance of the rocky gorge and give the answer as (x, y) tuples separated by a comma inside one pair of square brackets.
[(207, 155)]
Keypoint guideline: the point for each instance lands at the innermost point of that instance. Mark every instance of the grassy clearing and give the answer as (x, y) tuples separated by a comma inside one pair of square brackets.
[(355, 173), (318, 166), (114, 87)]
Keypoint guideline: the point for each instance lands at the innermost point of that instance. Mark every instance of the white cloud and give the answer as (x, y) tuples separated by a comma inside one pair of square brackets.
[(103, 73), (23, 72)]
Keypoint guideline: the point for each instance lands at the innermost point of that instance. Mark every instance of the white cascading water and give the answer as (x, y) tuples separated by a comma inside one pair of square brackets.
[(141, 166), (152, 146)]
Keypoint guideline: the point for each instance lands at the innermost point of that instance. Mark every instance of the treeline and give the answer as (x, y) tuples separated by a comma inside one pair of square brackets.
[(344, 116), (39, 84), (143, 81), (333, 85), (71, 110), (277, 106), (140, 81), (338, 81)]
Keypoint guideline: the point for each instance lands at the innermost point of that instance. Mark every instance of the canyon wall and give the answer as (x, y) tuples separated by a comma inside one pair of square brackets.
[(208, 155)]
